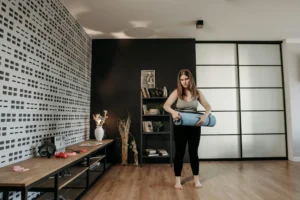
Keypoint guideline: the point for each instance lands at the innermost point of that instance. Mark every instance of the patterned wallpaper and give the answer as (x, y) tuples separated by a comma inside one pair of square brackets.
[(45, 70)]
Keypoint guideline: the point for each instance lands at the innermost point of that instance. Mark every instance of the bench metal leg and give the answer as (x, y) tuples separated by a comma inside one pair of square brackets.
[(24, 194)]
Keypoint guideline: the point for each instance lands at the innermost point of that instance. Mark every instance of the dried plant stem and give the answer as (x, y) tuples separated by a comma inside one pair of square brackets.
[(124, 152), (124, 127)]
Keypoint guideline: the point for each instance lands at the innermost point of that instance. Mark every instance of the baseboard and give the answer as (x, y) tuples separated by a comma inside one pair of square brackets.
[(295, 159)]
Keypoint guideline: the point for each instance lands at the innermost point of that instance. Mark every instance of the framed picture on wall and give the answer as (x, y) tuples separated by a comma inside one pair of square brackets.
[(147, 78)]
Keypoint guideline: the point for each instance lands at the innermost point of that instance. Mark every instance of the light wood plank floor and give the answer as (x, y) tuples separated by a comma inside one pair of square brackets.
[(250, 180)]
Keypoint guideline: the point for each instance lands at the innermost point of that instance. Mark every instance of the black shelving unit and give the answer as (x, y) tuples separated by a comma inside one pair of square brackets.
[(165, 134)]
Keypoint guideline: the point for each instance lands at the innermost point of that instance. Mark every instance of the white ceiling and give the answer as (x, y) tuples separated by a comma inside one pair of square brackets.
[(223, 19)]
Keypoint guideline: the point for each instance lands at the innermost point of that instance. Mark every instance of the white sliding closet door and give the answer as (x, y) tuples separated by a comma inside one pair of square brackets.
[(243, 84), (262, 101), (217, 78)]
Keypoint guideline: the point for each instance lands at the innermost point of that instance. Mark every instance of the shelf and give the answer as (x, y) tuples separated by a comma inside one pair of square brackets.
[(63, 181), (94, 174), (156, 156), (148, 98), (162, 138), (98, 168), (65, 193), (96, 159), (108, 165), (157, 133), (156, 115), (93, 160)]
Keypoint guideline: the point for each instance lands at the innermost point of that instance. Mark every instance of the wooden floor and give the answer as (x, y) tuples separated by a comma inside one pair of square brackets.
[(251, 180)]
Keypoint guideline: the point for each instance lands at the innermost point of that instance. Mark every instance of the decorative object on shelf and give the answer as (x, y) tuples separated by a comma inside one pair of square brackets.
[(99, 133), (19, 169), (134, 150), (155, 92), (157, 125), (61, 155), (161, 109), (47, 149), (165, 92), (145, 110), (59, 142), (148, 79), (153, 112), (147, 126), (100, 120)]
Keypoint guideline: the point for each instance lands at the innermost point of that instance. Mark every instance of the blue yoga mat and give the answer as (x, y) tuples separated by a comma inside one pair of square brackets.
[(191, 119)]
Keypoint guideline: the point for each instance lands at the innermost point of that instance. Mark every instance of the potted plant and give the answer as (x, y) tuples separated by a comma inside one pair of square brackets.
[(157, 125), (161, 109)]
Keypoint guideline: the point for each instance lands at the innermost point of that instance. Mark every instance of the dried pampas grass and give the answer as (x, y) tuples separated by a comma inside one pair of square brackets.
[(124, 126)]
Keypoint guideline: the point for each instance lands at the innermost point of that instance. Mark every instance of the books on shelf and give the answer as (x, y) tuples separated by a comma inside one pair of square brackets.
[(153, 92), (147, 111), (156, 152), (162, 152), (145, 93), (150, 151)]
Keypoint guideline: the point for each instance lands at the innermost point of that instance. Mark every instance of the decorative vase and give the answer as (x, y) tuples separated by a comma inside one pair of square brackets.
[(99, 133)]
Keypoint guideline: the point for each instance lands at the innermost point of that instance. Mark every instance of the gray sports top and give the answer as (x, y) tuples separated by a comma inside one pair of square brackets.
[(184, 105)]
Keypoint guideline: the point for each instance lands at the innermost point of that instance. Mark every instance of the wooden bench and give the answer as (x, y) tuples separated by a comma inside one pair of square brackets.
[(43, 173)]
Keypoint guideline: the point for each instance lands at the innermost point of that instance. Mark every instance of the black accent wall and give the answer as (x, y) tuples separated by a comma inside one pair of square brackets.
[(116, 76)]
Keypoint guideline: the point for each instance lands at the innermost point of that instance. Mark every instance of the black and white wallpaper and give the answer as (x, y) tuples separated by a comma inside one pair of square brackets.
[(45, 70)]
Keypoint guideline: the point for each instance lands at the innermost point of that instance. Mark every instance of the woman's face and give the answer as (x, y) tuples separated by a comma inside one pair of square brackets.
[(185, 81)]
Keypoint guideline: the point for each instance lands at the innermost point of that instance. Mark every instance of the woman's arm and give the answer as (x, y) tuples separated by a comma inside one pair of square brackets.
[(204, 103), (167, 105)]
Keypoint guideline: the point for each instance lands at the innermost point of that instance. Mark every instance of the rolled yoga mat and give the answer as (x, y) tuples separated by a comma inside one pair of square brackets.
[(191, 119)]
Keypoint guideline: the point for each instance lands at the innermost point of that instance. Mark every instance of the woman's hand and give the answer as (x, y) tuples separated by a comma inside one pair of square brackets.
[(176, 115), (202, 120)]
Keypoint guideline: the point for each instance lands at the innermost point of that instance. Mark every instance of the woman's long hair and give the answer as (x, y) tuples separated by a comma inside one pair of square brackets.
[(192, 86)]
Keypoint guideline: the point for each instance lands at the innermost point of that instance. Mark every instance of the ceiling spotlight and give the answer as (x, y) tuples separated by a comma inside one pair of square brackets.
[(199, 24)]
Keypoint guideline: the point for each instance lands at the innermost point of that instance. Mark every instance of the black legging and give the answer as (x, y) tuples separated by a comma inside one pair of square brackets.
[(183, 135)]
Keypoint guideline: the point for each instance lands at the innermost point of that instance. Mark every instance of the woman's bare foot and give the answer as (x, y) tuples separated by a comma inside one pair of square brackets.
[(178, 183), (178, 186), (197, 182), (198, 185)]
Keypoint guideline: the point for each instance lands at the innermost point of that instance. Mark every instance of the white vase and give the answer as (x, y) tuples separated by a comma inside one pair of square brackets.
[(99, 133)]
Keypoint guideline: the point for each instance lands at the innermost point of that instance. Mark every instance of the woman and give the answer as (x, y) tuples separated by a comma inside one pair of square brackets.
[(187, 97)]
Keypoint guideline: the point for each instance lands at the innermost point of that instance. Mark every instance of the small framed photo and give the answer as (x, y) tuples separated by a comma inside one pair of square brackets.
[(147, 126), (147, 78)]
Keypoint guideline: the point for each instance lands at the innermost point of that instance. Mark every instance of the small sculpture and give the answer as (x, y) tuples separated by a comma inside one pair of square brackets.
[(165, 92)]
